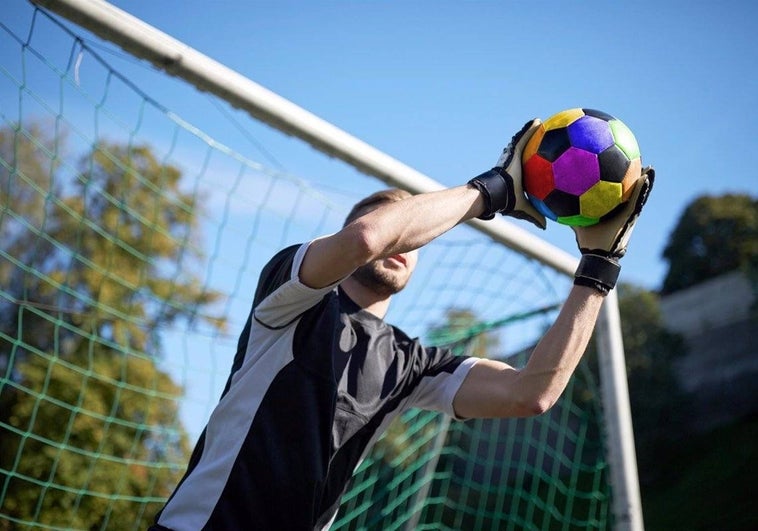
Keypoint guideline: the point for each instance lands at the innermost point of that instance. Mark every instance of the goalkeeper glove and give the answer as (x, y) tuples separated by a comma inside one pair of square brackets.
[(502, 186), (603, 244)]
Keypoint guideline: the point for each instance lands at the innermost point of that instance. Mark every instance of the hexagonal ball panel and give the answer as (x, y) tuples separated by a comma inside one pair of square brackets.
[(562, 119), (600, 199), (577, 221), (598, 114), (575, 171), (562, 203), (591, 134), (625, 139), (543, 209), (538, 177), (631, 177), (554, 143), (534, 142), (613, 164)]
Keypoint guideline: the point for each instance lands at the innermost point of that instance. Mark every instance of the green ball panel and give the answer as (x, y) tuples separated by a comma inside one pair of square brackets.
[(577, 221), (625, 139)]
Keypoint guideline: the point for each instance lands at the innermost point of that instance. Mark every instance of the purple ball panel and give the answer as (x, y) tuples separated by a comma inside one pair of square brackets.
[(576, 171), (591, 134)]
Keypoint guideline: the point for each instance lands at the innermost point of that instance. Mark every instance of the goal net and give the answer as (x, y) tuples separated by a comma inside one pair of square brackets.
[(133, 232)]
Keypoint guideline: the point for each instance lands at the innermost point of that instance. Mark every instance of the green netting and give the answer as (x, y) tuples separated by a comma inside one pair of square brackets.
[(131, 238), (429, 472)]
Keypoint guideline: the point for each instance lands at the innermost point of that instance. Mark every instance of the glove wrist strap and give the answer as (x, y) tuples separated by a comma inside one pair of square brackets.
[(496, 185), (596, 271)]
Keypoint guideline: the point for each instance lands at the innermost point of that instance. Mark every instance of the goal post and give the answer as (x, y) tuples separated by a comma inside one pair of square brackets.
[(177, 59)]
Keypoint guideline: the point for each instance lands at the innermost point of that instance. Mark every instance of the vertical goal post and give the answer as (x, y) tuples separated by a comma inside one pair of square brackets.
[(177, 59)]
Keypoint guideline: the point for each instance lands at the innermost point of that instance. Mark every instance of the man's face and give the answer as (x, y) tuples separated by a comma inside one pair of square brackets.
[(388, 276)]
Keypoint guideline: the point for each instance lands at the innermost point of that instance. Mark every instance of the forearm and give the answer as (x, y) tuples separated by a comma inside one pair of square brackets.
[(409, 224), (558, 353)]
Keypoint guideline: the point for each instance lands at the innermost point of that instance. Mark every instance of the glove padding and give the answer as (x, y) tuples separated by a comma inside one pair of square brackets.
[(502, 186), (603, 244)]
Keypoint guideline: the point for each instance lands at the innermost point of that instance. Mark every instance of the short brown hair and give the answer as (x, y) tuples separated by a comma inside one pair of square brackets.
[(367, 204)]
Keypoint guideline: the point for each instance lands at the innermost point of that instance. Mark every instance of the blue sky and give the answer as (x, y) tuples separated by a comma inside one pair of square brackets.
[(442, 85)]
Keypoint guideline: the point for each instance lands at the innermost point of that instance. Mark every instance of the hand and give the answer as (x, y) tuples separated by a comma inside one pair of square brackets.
[(502, 186), (510, 164), (603, 244), (611, 236)]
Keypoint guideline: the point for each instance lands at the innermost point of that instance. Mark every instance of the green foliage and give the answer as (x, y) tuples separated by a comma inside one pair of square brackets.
[(462, 329), (714, 235), (706, 482), (94, 428), (655, 395), (94, 264), (654, 392)]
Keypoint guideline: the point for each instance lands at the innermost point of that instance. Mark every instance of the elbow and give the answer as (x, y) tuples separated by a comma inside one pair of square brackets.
[(538, 392), (536, 401), (366, 241), (541, 404)]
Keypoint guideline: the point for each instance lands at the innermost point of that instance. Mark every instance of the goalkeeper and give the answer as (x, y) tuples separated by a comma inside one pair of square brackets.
[(318, 374)]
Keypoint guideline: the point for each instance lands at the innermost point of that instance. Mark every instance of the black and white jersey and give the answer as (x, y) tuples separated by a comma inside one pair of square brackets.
[(315, 381)]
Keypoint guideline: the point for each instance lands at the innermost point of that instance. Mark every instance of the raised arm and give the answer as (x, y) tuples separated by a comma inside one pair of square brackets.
[(402, 226), (391, 229), (495, 389)]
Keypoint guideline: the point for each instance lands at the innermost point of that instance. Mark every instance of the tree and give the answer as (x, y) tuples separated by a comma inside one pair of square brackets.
[(95, 264), (464, 331), (714, 235)]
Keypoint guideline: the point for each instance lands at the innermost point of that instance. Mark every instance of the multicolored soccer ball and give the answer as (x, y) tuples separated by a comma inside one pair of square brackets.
[(580, 166)]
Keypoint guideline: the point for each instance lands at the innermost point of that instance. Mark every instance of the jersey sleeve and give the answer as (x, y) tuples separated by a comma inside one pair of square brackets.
[(441, 378), (281, 297)]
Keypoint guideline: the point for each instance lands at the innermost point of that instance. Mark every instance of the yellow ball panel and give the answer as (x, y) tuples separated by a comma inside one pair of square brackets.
[(562, 119), (600, 199)]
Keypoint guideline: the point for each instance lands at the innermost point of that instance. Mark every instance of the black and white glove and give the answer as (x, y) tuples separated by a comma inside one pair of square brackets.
[(502, 186), (603, 244)]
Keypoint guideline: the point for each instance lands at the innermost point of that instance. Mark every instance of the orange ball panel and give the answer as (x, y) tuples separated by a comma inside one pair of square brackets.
[(631, 177), (534, 142)]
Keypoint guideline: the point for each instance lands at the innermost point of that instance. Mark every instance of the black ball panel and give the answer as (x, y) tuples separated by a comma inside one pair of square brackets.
[(554, 143), (598, 114), (613, 164), (562, 204)]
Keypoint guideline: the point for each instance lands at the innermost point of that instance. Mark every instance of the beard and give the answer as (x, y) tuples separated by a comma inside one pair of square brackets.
[(381, 281)]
